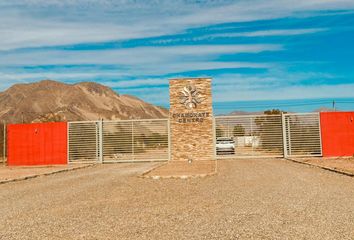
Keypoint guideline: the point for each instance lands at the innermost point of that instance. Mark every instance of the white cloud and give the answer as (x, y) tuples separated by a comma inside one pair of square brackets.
[(278, 84), (242, 11), (135, 61), (130, 63), (271, 32), (195, 66), (115, 77), (58, 75), (39, 23), (285, 92), (159, 95), (273, 85), (126, 56), (48, 23), (43, 34), (264, 33), (146, 82)]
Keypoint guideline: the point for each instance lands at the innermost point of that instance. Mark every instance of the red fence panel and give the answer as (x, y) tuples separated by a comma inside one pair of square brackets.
[(337, 130), (37, 144)]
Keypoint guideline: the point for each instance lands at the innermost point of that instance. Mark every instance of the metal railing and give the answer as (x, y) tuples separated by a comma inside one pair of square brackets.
[(302, 135), (288, 135), (136, 140), (251, 136), (84, 141), (118, 141)]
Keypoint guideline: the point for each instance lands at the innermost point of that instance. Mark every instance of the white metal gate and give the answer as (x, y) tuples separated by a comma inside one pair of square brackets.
[(118, 141), (302, 134), (252, 136), (84, 141), (136, 140), (289, 135)]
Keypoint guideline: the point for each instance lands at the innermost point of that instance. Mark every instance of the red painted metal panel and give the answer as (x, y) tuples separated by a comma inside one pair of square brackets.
[(337, 130), (37, 144)]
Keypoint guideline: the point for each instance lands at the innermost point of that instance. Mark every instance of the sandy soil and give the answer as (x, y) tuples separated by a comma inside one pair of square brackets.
[(183, 169), (19, 172), (341, 163), (247, 199)]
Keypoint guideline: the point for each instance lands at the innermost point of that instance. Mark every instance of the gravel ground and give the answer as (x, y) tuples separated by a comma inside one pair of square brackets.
[(11, 173), (247, 199), (340, 163), (183, 169)]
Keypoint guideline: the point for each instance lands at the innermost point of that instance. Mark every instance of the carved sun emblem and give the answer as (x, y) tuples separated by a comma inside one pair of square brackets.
[(190, 97)]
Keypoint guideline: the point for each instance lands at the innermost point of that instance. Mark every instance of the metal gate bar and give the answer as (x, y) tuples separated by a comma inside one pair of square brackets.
[(118, 141), (253, 135), (303, 134), (3, 144), (83, 141), (149, 140), (136, 140)]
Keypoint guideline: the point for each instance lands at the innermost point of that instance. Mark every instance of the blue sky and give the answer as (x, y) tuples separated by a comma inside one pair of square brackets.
[(254, 50)]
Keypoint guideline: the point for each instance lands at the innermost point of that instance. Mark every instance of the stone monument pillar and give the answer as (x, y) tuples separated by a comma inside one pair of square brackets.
[(191, 120)]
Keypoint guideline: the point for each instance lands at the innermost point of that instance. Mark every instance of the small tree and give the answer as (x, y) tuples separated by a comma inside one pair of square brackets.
[(273, 112), (238, 131), (266, 125)]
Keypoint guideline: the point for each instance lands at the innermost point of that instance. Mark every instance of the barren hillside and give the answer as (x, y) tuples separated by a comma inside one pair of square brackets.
[(51, 100)]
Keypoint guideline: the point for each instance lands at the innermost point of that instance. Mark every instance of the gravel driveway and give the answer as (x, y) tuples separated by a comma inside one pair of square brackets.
[(247, 199)]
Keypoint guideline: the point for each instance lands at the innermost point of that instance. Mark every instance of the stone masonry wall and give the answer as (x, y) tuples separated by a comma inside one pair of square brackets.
[(192, 134)]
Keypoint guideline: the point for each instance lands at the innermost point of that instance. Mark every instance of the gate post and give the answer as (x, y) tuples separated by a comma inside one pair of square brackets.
[(133, 150), (283, 125), (67, 142), (100, 141), (320, 132), (169, 138), (4, 144), (214, 138)]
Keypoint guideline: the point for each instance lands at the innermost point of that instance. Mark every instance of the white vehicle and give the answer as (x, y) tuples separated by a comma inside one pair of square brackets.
[(225, 145)]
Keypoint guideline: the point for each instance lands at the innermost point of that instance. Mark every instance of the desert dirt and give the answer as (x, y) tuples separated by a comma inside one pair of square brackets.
[(345, 164), (183, 169), (246, 199), (8, 173)]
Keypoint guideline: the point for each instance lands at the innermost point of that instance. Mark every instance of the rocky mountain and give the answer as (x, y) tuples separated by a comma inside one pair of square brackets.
[(49, 100)]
